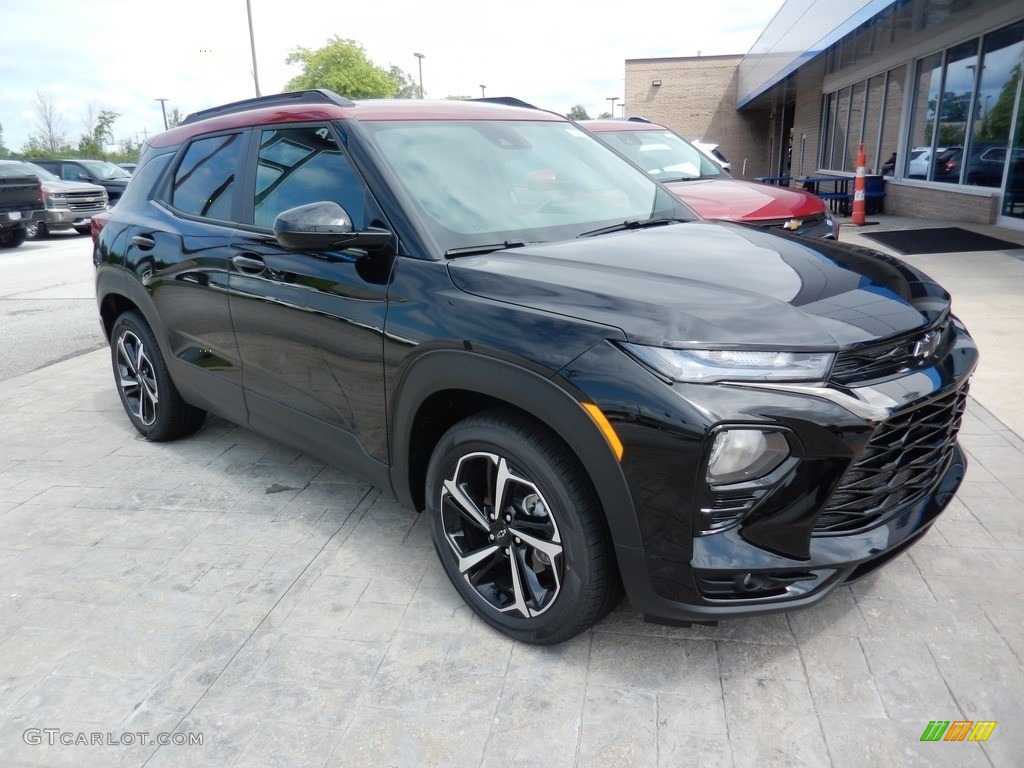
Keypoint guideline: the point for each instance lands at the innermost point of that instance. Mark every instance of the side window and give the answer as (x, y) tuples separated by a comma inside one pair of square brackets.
[(204, 183), (297, 166), (71, 172)]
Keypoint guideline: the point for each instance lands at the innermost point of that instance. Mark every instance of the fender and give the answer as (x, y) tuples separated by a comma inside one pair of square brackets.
[(534, 394)]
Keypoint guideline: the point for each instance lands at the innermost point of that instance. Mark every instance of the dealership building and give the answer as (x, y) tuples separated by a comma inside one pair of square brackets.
[(932, 88)]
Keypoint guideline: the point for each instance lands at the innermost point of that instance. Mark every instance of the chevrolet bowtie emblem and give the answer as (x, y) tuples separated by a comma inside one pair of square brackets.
[(925, 346), (793, 224)]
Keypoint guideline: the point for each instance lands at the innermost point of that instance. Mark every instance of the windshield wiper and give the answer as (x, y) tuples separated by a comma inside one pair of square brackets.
[(478, 250), (630, 224)]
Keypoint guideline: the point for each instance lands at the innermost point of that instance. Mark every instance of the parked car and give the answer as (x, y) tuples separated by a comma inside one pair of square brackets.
[(107, 175), (21, 199), (69, 204), (130, 167), (711, 150), (706, 187), (485, 311), (920, 158)]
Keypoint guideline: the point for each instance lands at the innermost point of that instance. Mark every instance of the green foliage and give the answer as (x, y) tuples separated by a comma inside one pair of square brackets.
[(100, 134), (604, 115), (998, 118), (405, 86), (174, 118), (457, 98), (4, 151), (578, 113), (341, 66)]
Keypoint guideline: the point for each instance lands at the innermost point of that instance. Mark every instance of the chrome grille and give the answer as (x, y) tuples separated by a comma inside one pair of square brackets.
[(80, 202), (891, 358), (899, 465)]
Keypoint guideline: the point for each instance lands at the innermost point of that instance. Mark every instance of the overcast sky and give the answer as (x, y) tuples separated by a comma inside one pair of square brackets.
[(123, 54)]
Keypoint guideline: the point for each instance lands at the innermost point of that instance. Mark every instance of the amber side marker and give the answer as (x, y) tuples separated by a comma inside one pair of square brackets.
[(605, 426)]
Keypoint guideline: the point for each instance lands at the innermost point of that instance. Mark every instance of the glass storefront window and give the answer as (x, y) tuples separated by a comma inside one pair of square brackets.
[(890, 133), (842, 130), (856, 126), (955, 111), (998, 82), (922, 122)]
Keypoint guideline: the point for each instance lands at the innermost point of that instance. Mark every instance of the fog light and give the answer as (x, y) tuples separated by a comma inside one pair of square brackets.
[(745, 454)]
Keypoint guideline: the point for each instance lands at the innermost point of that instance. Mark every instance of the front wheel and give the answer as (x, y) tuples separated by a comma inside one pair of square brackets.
[(84, 229), (144, 384), (36, 230), (518, 529)]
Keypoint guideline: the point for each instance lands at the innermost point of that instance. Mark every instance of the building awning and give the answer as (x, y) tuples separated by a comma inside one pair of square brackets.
[(800, 31)]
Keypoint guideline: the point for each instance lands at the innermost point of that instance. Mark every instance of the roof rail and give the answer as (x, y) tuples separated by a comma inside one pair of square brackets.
[(315, 96), (508, 101), (637, 119)]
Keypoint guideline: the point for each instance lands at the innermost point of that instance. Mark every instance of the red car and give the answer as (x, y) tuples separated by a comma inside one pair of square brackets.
[(706, 187)]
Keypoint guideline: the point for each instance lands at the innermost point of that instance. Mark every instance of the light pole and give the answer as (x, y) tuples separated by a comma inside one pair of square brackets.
[(420, 57), (613, 99), (252, 45), (163, 108), (622, 106), (483, 91)]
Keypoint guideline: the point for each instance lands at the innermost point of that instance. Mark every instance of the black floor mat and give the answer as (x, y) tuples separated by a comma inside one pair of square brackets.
[(940, 240)]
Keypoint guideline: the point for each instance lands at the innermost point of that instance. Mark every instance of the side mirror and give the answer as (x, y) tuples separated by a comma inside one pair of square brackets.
[(85, 177), (324, 226)]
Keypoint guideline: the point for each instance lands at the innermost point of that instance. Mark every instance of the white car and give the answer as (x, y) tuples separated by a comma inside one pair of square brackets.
[(711, 150), (920, 158)]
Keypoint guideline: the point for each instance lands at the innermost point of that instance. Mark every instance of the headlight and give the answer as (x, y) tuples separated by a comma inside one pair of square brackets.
[(703, 366), (57, 196)]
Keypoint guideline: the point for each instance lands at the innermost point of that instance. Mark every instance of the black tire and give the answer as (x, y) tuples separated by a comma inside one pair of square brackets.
[(85, 229), (541, 569), (36, 230), (12, 238), (147, 393)]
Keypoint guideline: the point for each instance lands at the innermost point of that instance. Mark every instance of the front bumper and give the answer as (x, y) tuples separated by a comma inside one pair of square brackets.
[(64, 218), (788, 550)]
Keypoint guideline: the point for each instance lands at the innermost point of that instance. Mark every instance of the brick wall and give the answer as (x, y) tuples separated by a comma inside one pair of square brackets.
[(697, 99), (925, 203)]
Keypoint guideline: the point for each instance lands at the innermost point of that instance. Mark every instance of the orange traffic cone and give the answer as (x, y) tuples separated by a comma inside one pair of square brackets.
[(859, 184)]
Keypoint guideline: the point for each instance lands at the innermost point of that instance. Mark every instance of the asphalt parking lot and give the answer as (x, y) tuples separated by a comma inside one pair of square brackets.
[(229, 591)]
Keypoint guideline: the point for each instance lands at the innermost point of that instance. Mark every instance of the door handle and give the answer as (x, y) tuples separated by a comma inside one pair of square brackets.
[(248, 264), (145, 242)]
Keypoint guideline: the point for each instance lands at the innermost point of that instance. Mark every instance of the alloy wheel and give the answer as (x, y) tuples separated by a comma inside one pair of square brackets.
[(506, 542), (137, 378)]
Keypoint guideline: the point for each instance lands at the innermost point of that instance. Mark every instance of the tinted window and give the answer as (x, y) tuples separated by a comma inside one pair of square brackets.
[(73, 172), (297, 166), (205, 180)]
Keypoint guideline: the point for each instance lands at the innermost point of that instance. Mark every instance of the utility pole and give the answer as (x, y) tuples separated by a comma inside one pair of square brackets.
[(252, 45), (420, 56), (163, 108)]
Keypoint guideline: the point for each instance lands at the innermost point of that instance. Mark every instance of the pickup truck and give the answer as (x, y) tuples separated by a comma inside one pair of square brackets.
[(21, 200)]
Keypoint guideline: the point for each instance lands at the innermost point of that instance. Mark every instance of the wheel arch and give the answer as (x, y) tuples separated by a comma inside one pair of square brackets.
[(442, 387)]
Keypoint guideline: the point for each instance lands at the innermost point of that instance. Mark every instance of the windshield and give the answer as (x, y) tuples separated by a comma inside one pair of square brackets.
[(665, 156), (479, 182), (26, 169), (101, 169)]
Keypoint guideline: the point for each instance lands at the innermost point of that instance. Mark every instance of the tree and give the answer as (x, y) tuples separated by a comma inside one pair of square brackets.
[(341, 66), (405, 86), (99, 132), (604, 115), (997, 119), (457, 98), (174, 118), (49, 138), (4, 151), (578, 113)]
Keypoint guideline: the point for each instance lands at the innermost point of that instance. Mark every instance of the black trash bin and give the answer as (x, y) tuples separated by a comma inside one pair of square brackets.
[(874, 194)]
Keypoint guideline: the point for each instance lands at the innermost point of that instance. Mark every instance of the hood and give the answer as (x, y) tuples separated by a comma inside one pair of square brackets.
[(737, 200), (713, 283), (71, 186)]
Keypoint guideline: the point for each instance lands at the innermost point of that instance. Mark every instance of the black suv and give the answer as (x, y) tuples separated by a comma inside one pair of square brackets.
[(481, 308), (111, 177)]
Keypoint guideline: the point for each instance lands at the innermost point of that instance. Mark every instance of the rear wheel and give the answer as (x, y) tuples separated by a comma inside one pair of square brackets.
[(12, 238), (36, 230), (518, 530), (147, 393), (83, 230)]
